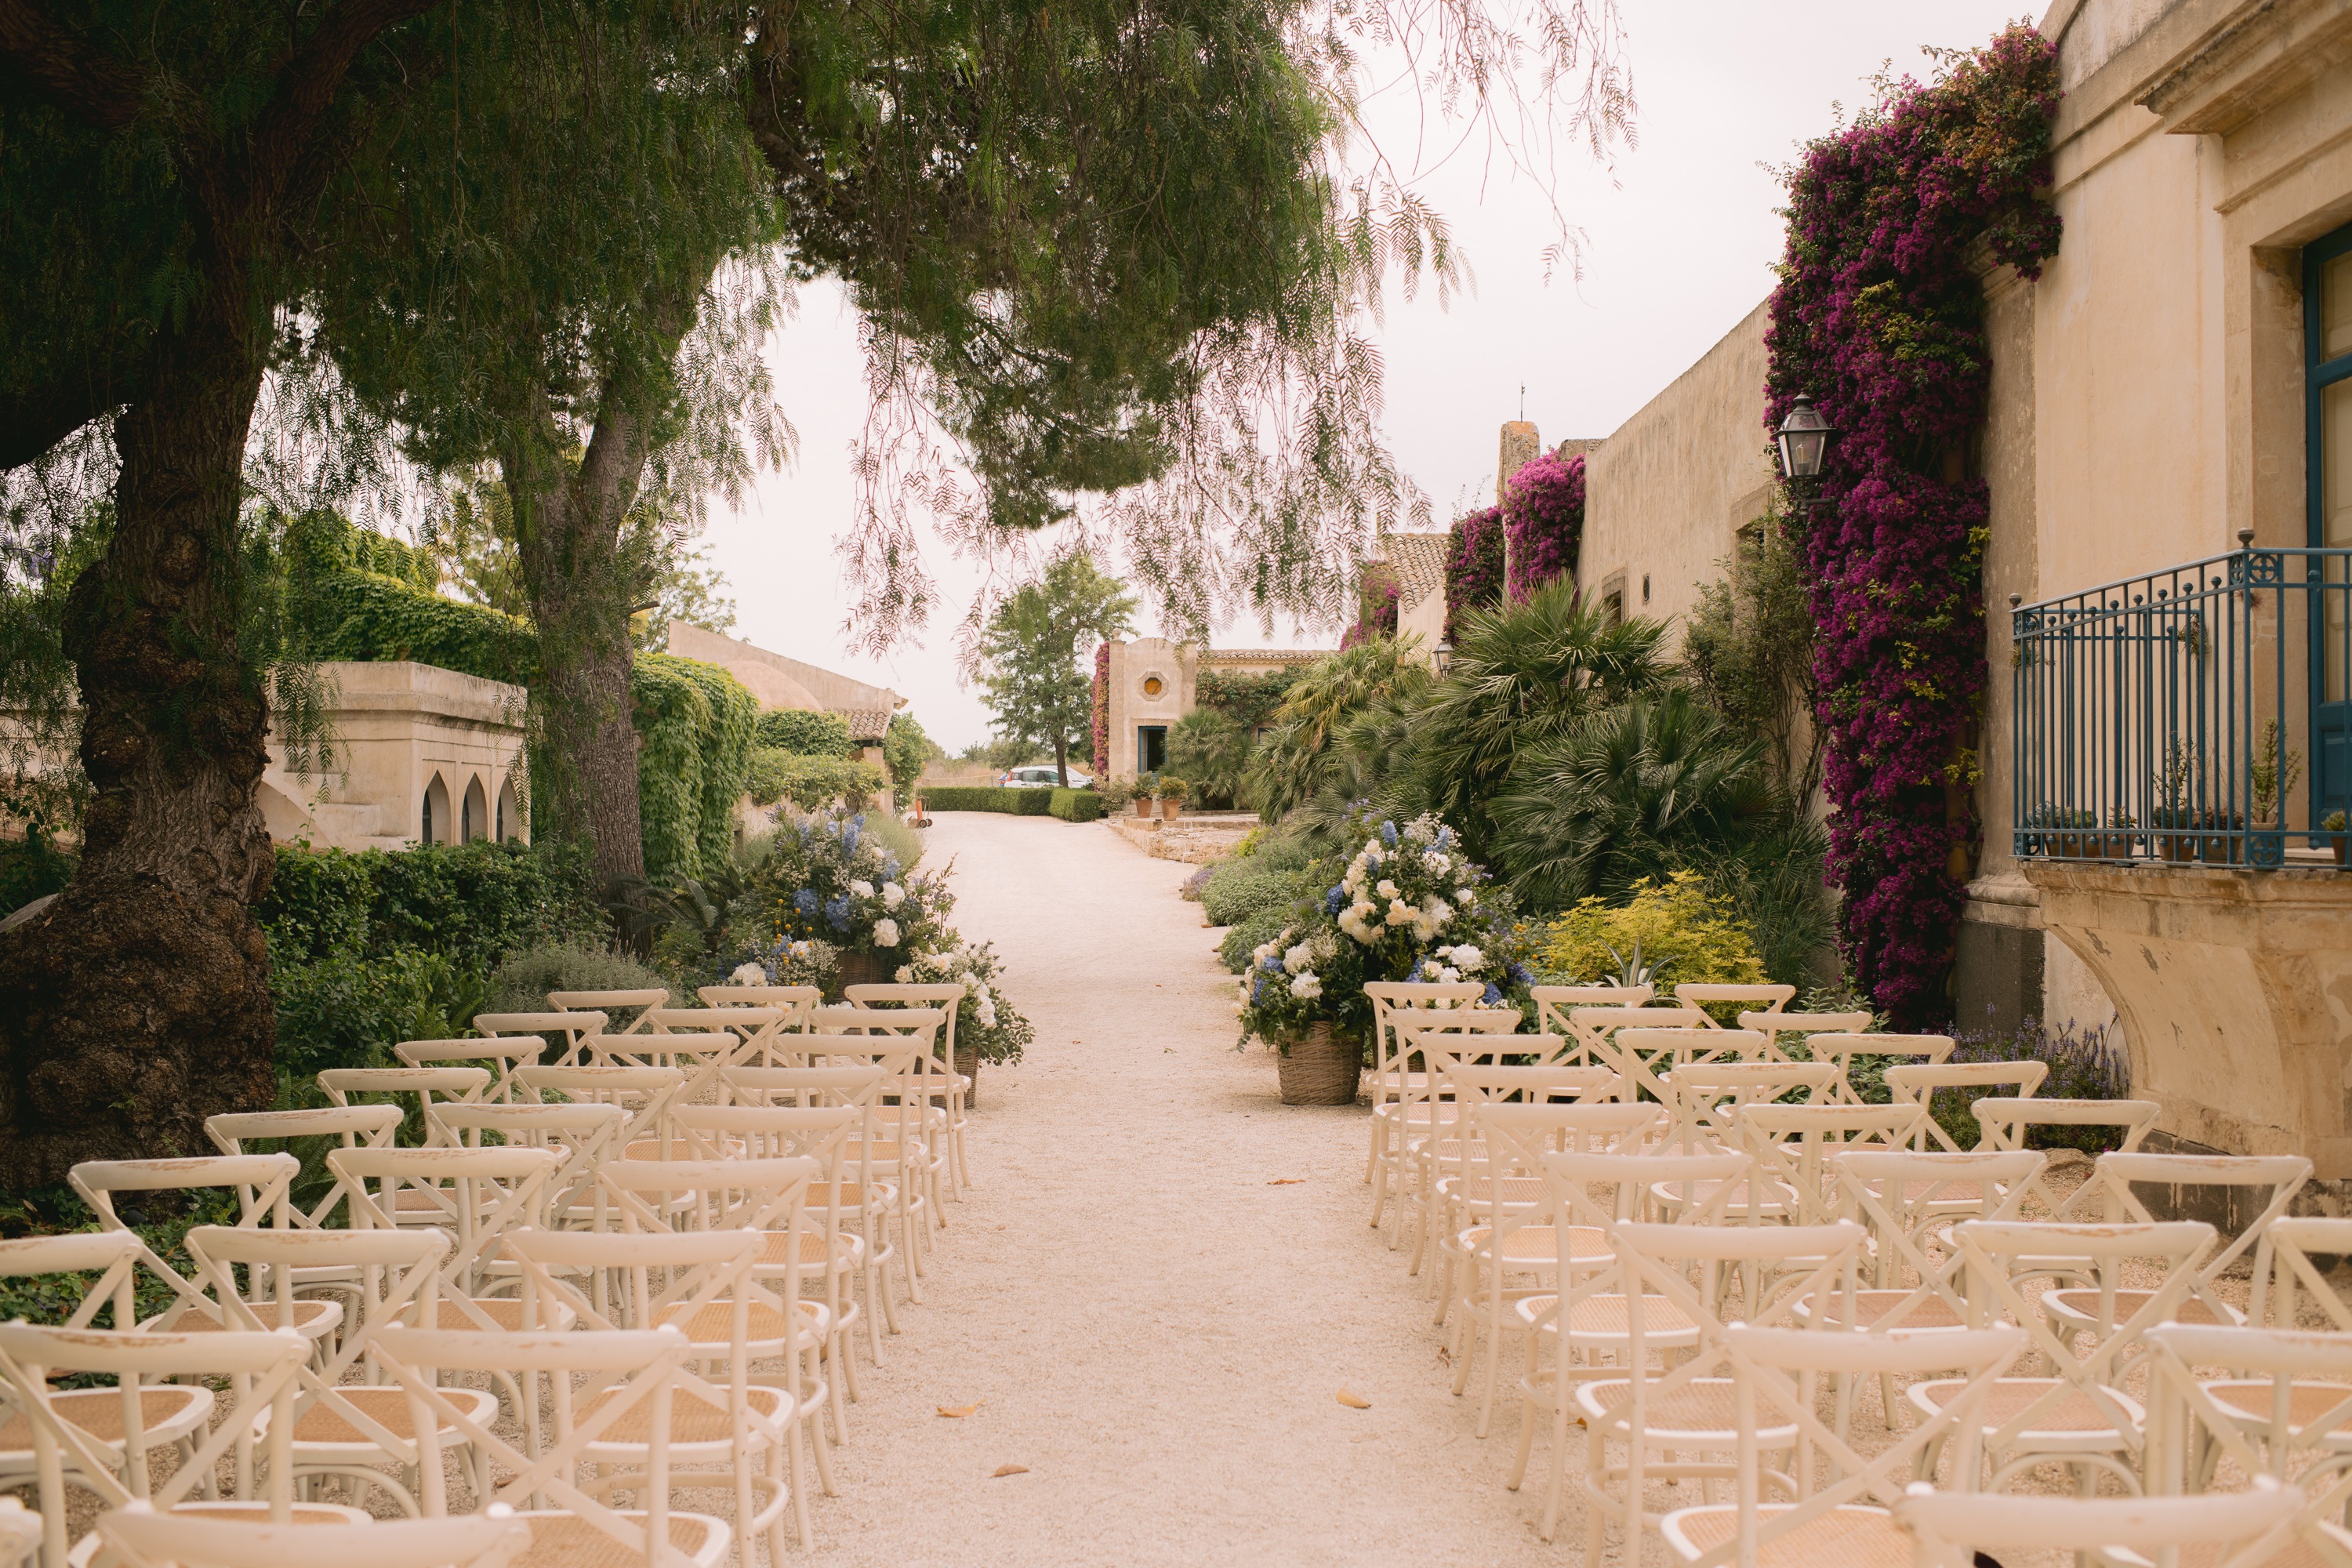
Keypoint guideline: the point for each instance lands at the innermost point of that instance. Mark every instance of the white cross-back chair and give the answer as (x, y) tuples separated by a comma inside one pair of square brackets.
[(578, 1032), (583, 1135), (348, 1431), (951, 1086), (1835, 1509), (1648, 1057), (137, 1537), (1397, 1085), (2006, 1124), (1795, 1147), (1423, 1110), (623, 1371), (1463, 1185), (259, 1369), (1664, 1421), (479, 1195), (1704, 996), (610, 1004), (499, 1055), (1918, 1083), (354, 1126), (795, 1000), (2082, 1417), (2109, 1190), (2283, 1263), (1521, 1240), (894, 1143), (935, 1088), (729, 1431), (646, 1094), (1556, 1005), (1776, 1026), (1590, 1315), (704, 1041), (1705, 1098), (261, 1182), (1841, 1049), (454, 1086), (2224, 1530)]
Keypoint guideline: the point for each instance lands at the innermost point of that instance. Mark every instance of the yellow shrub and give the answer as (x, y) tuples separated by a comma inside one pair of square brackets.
[(1673, 920)]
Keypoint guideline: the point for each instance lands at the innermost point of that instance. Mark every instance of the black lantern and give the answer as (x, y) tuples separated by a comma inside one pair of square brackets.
[(1804, 435)]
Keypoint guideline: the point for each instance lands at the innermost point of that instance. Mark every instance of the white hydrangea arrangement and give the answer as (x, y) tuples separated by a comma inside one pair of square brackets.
[(985, 1020)]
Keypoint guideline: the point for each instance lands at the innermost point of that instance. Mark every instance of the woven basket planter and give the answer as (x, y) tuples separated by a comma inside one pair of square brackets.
[(860, 968), (1321, 1069), (967, 1062)]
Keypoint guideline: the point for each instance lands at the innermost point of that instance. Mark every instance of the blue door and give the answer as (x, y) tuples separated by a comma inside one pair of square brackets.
[(2327, 382)]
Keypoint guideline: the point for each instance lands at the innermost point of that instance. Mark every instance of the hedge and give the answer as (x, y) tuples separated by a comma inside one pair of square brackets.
[(375, 617), (807, 733), (1012, 802), (476, 903), (810, 782), (1076, 804)]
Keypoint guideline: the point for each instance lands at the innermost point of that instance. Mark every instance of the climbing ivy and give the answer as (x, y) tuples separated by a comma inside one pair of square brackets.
[(695, 724)]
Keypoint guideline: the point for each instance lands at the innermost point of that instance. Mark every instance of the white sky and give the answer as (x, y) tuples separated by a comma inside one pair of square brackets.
[(1679, 238)]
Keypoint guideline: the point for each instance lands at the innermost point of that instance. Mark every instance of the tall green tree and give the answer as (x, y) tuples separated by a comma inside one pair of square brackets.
[(161, 171), (1030, 676)]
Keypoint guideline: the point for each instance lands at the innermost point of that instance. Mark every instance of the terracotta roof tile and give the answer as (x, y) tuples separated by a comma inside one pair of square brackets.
[(1420, 563)]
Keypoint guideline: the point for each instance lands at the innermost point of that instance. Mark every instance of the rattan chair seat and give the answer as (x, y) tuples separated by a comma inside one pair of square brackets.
[(692, 1418), (1850, 1537), (1704, 1408), (2081, 1307), (167, 1413), (2250, 1400), (2072, 1422), (387, 1406), (564, 1541)]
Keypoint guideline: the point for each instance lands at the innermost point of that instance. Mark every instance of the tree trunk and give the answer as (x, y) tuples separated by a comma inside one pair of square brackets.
[(1062, 758), (138, 1003)]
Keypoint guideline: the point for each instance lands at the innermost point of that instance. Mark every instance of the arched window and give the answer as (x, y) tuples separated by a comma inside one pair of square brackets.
[(510, 812), (436, 813), (474, 815)]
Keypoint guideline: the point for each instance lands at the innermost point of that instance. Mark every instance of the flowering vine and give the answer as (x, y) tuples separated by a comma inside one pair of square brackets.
[(1879, 316), (1473, 564), (1543, 519), (1102, 711), (1377, 595)]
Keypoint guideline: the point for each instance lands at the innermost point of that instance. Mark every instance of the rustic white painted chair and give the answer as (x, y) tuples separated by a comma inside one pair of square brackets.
[(2109, 1191), (1705, 1099), (729, 1431), (625, 1372), (1649, 1058), (2224, 1530), (647, 1095), (1522, 1240), (863, 1201), (2007, 1123), (1556, 1005), (355, 1126), (2082, 1417), (578, 1033), (1836, 1509), (582, 1135), (1465, 1187), (1433, 1128), (257, 1370), (1841, 1049), (261, 1182), (1590, 1315), (1776, 1026), (1918, 1083), (1665, 1422), (930, 1027), (1397, 1088), (795, 1000), (1795, 1147), (947, 1121), (893, 1145), (455, 1086), (137, 1537), (499, 1055), (611, 1004), (479, 1196), (2281, 1408), (1704, 996), (2282, 1262), (345, 1431)]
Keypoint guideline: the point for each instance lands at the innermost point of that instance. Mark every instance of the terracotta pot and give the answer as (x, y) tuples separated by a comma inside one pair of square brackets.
[(967, 1062), (860, 968), (1321, 1069), (2343, 851), (1170, 810), (1143, 806)]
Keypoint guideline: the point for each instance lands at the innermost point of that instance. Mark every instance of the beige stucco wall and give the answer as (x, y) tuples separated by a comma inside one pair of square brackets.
[(1667, 491), (778, 682), (400, 729), (1133, 664), (1425, 620)]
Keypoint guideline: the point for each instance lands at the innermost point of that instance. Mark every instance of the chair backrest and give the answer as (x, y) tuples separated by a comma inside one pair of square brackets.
[(140, 1538), (585, 1135), (1706, 1181), (577, 1031), (349, 1124), (2006, 1123), (842, 1083), (2113, 1176), (1917, 1083), (2282, 1260), (1705, 1097), (1392, 998), (610, 1003), (500, 1054), (948, 999), (2264, 1432), (1532, 1084), (1774, 1374), (1902, 1195), (1796, 1143), (452, 1084), (1703, 995), (647, 1094), (479, 1195), (1645, 1054), (113, 1256), (1776, 1026), (1841, 1049), (1954, 1530), (260, 1181), (625, 1369)]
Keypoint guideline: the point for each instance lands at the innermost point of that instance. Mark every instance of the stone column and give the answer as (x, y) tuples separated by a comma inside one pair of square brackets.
[(1521, 446)]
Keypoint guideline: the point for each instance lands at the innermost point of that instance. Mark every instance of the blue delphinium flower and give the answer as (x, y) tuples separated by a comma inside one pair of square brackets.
[(836, 912), (1270, 963), (1520, 974), (1494, 994), (849, 838), (1335, 901), (805, 900), (1388, 834), (1444, 836)]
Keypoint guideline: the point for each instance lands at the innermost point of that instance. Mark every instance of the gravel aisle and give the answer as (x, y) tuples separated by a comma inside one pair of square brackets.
[(1154, 1330)]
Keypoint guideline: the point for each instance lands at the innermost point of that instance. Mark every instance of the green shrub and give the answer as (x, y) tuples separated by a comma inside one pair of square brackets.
[(349, 1009), (807, 733), (521, 985), (475, 903), (1012, 802), (1685, 935), (896, 836), (1260, 926), (811, 783), (31, 868), (695, 722), (367, 617), (1076, 804), (1239, 888)]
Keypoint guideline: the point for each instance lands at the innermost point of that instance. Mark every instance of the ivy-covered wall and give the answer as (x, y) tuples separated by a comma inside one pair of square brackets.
[(695, 721)]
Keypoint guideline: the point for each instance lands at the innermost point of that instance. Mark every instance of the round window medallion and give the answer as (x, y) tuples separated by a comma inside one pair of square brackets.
[(1153, 686)]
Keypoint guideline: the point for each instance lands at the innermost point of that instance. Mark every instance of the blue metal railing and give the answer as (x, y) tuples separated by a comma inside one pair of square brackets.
[(2199, 713)]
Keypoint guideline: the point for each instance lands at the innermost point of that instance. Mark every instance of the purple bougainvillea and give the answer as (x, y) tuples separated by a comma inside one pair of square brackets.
[(1377, 599), (1879, 316), (1473, 565), (1543, 519), (1102, 711)]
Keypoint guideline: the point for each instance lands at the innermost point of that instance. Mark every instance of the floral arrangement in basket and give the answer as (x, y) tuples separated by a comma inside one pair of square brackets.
[(789, 961), (986, 1021), (829, 881), (1408, 905)]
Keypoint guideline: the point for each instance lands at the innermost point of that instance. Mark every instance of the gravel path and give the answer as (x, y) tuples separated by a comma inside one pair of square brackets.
[(1156, 1332)]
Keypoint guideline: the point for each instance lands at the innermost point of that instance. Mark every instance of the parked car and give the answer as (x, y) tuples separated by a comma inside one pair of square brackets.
[(1042, 776)]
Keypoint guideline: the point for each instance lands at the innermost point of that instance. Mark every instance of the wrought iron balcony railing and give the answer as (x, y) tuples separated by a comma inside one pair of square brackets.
[(2200, 713)]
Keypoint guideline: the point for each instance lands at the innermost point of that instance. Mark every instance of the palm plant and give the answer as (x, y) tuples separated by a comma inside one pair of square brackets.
[(1291, 761), (1365, 764), (1212, 751), (1634, 791), (1524, 674)]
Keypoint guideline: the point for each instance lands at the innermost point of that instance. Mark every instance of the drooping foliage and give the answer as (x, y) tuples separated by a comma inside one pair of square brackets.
[(1295, 757), (1879, 317), (1543, 522)]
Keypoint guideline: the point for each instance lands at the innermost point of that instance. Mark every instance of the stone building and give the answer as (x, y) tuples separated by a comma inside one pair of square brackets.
[(2176, 388), (1151, 684)]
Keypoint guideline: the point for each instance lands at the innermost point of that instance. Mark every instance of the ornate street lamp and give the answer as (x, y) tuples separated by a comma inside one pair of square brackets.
[(1804, 435)]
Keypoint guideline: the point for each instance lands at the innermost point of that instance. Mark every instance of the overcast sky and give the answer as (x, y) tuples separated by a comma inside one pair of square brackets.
[(1678, 238)]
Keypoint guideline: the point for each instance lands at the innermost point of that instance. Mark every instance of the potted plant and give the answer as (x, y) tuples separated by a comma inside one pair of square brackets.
[(1114, 794), (1146, 801), (1171, 798), (2225, 837), (988, 1029), (2117, 845), (825, 879), (1295, 998), (2333, 824)]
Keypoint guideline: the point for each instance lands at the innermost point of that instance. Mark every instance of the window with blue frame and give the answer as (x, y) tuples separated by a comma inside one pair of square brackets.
[(2327, 390)]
